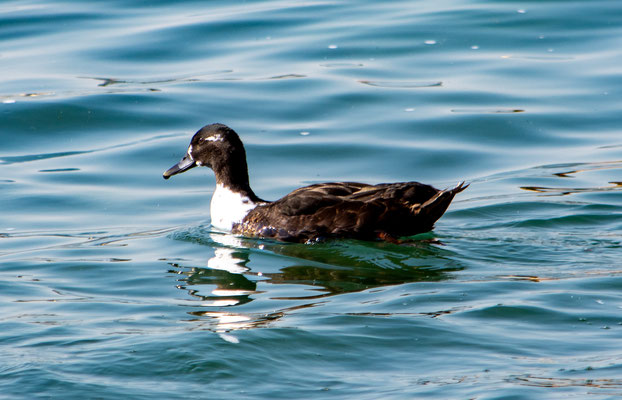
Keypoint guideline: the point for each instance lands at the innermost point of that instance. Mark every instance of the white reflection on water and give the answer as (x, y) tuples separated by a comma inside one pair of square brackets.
[(225, 259)]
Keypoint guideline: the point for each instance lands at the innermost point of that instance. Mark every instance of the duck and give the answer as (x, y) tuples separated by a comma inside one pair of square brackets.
[(318, 212)]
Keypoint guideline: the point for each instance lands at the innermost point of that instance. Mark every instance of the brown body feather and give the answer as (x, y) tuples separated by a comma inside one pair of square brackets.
[(349, 209)]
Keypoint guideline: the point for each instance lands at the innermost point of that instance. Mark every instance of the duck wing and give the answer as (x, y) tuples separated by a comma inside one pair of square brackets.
[(349, 209), (309, 199)]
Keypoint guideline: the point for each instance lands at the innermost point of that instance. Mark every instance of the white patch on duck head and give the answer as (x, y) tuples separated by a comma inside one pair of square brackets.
[(229, 207), (215, 138), (199, 163)]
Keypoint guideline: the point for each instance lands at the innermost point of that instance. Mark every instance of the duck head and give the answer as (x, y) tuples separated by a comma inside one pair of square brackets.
[(218, 147)]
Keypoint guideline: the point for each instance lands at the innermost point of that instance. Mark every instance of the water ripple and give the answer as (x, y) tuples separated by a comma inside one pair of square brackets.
[(401, 84)]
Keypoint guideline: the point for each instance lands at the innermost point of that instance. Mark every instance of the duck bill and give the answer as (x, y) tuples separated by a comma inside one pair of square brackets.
[(185, 164)]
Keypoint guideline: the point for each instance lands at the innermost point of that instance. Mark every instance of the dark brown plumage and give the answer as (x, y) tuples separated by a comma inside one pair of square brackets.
[(385, 211)]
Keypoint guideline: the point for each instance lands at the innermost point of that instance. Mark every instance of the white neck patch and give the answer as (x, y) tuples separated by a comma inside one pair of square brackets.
[(228, 208)]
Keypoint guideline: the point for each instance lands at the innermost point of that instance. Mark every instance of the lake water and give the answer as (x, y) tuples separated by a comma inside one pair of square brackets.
[(113, 284)]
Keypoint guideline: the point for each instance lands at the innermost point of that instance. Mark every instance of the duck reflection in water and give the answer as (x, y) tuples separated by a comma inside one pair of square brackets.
[(321, 271)]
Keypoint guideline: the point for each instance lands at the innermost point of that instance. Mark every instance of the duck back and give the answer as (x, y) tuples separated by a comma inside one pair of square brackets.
[(349, 210)]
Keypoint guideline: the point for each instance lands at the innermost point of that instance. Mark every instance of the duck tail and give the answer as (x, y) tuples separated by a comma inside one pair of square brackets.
[(438, 204)]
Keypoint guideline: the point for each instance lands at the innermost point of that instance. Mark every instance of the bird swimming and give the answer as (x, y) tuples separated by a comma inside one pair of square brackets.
[(385, 211)]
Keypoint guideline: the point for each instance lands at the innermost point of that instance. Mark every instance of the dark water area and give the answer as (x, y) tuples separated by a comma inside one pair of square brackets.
[(113, 283)]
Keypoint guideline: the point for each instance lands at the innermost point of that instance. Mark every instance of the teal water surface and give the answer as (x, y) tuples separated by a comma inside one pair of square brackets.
[(113, 284)]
